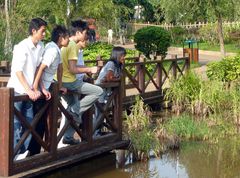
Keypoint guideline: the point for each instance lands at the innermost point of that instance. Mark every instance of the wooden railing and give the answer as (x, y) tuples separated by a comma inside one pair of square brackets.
[(144, 78), (111, 124), (148, 79)]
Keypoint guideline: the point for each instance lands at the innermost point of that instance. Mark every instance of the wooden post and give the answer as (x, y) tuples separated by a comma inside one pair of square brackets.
[(87, 127), (174, 68), (99, 61), (52, 120), (123, 82), (187, 61), (118, 108), (6, 131), (141, 77), (159, 75)]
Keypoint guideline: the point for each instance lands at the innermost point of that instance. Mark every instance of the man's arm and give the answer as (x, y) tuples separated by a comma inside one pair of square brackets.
[(59, 78), (32, 95), (73, 68), (38, 76), (38, 81)]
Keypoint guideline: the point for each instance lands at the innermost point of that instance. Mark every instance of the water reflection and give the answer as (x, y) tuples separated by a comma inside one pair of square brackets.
[(193, 160)]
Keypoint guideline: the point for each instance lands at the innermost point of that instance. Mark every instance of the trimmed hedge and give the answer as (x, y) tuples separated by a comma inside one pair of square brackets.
[(152, 40)]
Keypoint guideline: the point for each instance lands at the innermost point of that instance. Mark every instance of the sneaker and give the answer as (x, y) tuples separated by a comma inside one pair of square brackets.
[(21, 156), (61, 145), (70, 141)]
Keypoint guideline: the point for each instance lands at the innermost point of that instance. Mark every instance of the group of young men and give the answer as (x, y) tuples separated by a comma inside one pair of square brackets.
[(34, 68)]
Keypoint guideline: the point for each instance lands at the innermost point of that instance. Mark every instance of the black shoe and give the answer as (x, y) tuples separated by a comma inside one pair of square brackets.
[(70, 141)]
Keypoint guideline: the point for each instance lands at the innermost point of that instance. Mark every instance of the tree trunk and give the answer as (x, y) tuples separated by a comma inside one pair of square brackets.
[(7, 43), (220, 35)]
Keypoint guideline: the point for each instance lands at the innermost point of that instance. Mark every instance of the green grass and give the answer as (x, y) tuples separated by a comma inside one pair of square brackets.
[(233, 48)]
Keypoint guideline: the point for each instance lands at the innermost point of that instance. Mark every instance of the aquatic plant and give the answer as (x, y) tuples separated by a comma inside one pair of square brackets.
[(139, 130)]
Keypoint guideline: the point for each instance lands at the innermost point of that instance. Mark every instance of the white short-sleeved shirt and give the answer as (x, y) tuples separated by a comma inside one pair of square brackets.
[(26, 58), (51, 58), (80, 62)]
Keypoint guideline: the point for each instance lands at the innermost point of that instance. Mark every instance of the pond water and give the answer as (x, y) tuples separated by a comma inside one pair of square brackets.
[(192, 160)]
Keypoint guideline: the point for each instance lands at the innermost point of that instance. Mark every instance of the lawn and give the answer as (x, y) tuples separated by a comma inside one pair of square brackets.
[(233, 48)]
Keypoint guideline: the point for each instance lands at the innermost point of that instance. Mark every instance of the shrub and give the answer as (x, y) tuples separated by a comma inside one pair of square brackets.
[(95, 49), (178, 34), (227, 70), (103, 49), (152, 39)]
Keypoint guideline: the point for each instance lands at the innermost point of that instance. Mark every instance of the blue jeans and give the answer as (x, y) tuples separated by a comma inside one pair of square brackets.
[(91, 92), (26, 109)]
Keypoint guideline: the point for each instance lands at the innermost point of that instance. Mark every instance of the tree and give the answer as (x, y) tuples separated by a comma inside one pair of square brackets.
[(8, 41), (178, 11)]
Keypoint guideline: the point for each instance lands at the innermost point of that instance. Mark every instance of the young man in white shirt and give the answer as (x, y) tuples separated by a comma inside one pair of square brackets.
[(26, 58), (50, 65)]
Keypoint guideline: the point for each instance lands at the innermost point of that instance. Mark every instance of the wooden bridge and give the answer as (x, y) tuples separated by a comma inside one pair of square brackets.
[(139, 78)]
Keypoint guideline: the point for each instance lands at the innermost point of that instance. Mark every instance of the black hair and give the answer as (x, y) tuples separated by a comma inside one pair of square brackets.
[(57, 32), (78, 25), (117, 52), (36, 24)]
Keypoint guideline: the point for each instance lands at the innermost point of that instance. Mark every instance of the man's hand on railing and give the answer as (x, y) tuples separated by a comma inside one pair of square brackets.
[(47, 94), (33, 95)]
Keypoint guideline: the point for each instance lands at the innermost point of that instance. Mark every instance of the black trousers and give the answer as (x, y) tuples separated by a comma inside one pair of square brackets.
[(34, 146)]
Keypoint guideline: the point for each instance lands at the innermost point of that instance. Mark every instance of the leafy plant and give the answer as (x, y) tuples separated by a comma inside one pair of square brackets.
[(183, 91), (102, 49), (227, 70), (139, 131), (151, 40)]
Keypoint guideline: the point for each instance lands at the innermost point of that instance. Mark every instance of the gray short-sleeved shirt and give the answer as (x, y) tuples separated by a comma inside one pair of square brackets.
[(110, 66)]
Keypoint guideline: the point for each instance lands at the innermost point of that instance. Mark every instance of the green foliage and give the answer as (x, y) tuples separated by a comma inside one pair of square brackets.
[(209, 34), (178, 11), (183, 91), (93, 50), (139, 131), (178, 34), (217, 102), (186, 127), (152, 39), (227, 70), (200, 97), (211, 98)]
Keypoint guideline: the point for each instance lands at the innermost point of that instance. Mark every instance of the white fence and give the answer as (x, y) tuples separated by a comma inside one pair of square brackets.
[(137, 26)]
